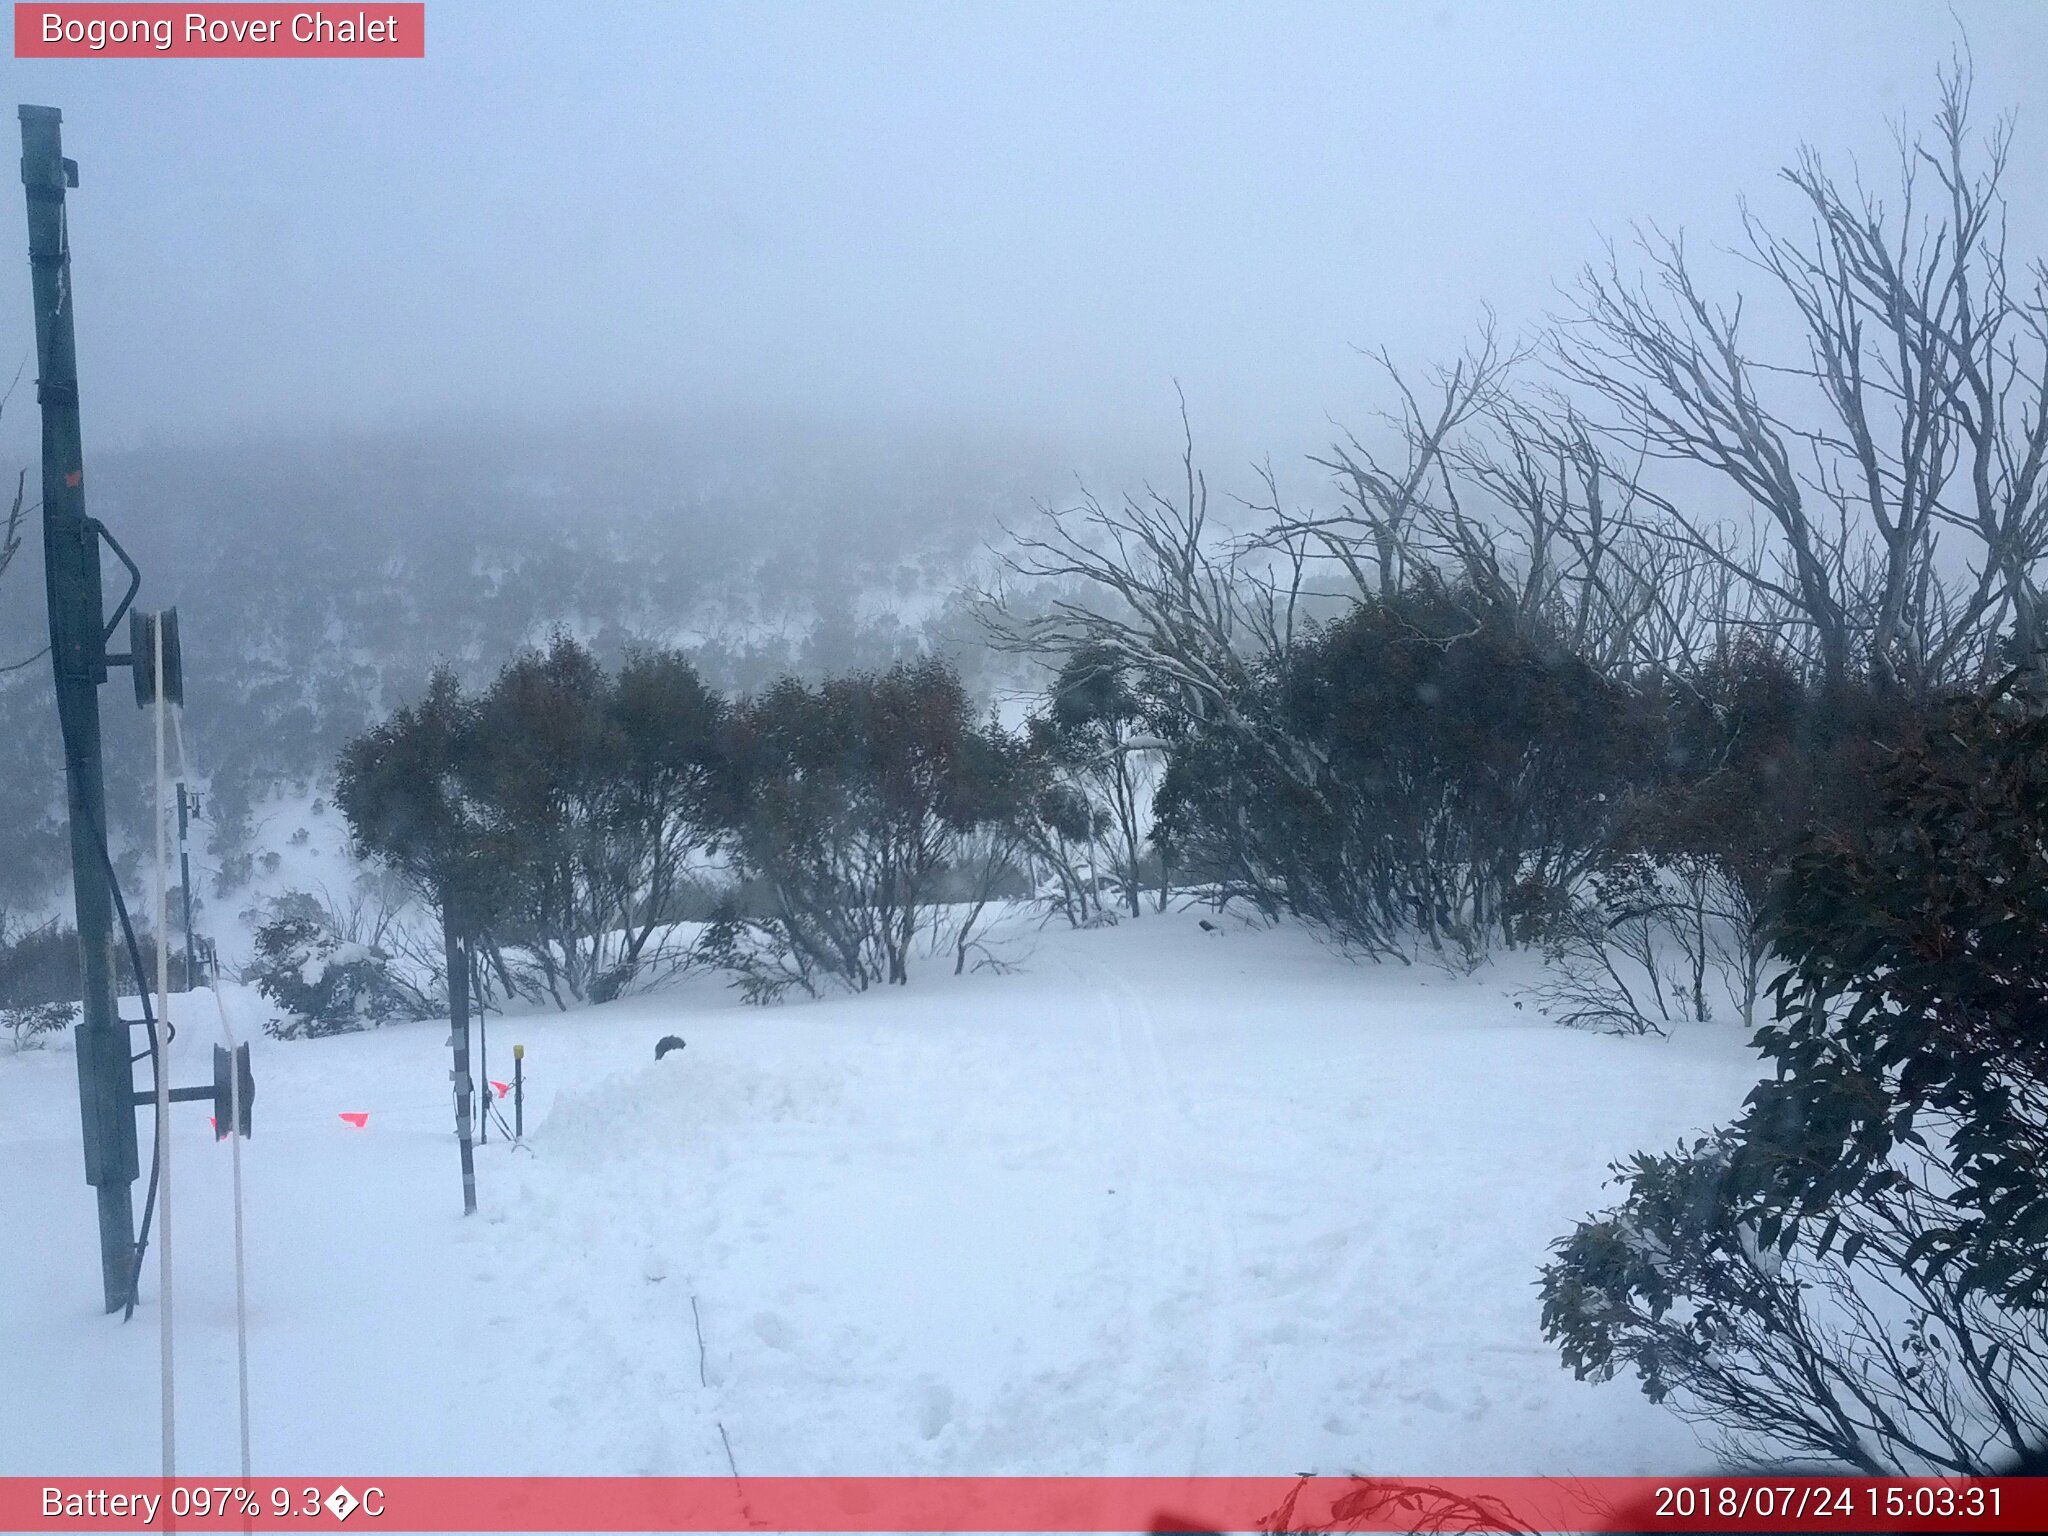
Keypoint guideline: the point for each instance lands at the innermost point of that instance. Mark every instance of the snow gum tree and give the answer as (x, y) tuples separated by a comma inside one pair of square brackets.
[(595, 792), (399, 786), (848, 801), (1097, 732), (559, 811)]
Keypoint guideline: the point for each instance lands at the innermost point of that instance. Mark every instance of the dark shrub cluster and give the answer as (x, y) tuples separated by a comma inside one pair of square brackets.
[(567, 819), (1431, 766), (847, 804)]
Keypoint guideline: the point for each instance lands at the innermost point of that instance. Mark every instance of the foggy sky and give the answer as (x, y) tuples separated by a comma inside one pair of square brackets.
[(1028, 216)]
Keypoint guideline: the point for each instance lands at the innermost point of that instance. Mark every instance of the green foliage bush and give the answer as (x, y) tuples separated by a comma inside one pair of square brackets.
[(1857, 1268), (323, 984)]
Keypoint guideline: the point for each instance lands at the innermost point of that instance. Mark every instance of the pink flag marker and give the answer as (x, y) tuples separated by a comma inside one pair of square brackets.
[(356, 1117), (503, 1088)]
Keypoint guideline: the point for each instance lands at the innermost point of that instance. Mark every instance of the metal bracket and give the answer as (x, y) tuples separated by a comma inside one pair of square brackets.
[(233, 1088), (99, 530), (49, 191), (134, 576)]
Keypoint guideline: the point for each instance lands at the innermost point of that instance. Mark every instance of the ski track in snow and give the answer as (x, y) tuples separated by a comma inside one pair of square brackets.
[(1159, 1201), (1176, 1344)]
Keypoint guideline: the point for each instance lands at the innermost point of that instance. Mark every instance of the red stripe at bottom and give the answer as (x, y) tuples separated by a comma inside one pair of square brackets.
[(1017, 1504)]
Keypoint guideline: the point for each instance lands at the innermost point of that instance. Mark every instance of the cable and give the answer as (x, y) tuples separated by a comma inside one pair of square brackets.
[(155, 1055), (96, 826), (157, 1052), (166, 1337), (235, 1136), (99, 836), (241, 1268), (170, 1033)]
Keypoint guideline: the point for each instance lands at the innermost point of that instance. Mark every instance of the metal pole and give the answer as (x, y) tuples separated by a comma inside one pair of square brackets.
[(241, 1266), (519, 1093), (78, 657), (458, 1041), (185, 882), (483, 1055)]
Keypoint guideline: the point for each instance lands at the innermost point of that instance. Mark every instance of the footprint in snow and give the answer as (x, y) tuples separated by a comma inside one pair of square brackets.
[(773, 1330)]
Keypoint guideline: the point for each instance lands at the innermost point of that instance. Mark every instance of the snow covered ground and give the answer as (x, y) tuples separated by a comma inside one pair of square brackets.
[(1158, 1201)]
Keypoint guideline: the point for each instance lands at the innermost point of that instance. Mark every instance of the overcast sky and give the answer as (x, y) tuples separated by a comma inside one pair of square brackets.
[(1036, 216)]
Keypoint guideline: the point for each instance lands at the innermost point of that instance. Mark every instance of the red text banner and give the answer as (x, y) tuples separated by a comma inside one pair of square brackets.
[(244, 31), (1016, 1504)]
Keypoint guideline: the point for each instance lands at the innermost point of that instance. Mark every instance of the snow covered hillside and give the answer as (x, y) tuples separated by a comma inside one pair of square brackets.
[(1159, 1201)]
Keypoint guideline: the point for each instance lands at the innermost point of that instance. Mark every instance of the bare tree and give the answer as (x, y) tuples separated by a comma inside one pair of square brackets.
[(1919, 411), (1557, 552), (1387, 494), (10, 534), (1209, 622), (1148, 583), (1507, 493)]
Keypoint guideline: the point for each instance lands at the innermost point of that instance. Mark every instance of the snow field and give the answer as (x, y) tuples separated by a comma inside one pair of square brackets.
[(1156, 1201)]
